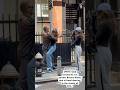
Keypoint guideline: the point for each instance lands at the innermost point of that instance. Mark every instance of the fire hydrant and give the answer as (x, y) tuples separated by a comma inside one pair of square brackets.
[(39, 65)]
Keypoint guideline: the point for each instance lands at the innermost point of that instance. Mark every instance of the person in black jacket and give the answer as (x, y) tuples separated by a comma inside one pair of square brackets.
[(78, 36), (103, 55)]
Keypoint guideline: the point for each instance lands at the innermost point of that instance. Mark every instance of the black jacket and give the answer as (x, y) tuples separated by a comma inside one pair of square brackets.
[(104, 34)]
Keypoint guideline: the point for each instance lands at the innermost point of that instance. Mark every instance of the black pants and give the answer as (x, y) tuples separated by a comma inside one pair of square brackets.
[(23, 74)]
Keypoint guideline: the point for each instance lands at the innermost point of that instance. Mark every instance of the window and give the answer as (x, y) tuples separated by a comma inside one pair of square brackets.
[(42, 10), (42, 18)]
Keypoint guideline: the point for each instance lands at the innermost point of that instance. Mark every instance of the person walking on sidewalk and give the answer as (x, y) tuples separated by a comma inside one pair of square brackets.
[(53, 39), (77, 43)]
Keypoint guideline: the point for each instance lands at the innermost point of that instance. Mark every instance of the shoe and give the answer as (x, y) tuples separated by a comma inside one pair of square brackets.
[(54, 67), (49, 70), (43, 72)]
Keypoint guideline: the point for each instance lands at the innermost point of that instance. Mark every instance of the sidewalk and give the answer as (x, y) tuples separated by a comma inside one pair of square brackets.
[(50, 77), (47, 77), (56, 86)]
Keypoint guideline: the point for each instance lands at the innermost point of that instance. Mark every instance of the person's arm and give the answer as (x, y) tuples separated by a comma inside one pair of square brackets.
[(54, 37), (82, 36), (45, 34)]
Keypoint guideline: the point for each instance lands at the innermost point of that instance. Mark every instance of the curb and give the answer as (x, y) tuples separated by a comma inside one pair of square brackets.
[(52, 79)]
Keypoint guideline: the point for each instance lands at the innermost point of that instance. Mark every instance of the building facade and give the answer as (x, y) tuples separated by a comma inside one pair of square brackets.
[(64, 15)]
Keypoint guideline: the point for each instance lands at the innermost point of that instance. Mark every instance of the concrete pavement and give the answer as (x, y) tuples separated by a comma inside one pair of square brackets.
[(48, 81), (56, 86), (48, 77)]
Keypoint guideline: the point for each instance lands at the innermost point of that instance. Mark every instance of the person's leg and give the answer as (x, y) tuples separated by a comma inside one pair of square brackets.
[(98, 77), (49, 56), (44, 50), (23, 74), (106, 67), (78, 51), (31, 75), (103, 60), (53, 58), (98, 71)]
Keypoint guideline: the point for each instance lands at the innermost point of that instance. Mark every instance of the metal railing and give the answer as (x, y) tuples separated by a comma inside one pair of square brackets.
[(8, 28), (8, 39), (64, 38), (63, 47)]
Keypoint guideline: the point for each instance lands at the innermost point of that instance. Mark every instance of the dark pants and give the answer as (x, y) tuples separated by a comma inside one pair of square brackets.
[(103, 62), (23, 74), (44, 50), (31, 74)]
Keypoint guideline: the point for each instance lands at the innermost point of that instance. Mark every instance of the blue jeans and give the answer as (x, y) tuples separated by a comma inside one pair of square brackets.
[(49, 56)]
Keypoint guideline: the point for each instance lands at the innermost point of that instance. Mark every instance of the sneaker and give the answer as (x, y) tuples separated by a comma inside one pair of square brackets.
[(54, 67), (49, 70), (43, 72)]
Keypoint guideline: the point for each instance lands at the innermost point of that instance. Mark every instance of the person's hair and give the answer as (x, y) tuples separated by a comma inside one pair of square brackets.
[(106, 17), (55, 32), (45, 28), (23, 6)]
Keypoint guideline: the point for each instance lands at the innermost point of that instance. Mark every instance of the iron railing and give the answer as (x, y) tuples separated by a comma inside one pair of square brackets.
[(9, 28), (63, 47), (8, 39)]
